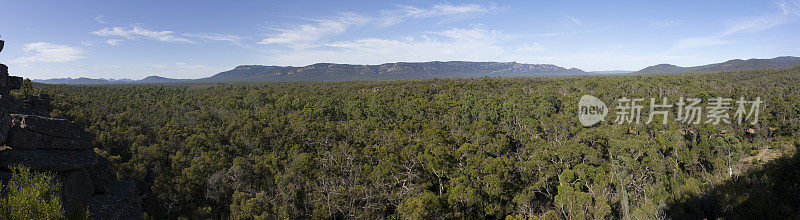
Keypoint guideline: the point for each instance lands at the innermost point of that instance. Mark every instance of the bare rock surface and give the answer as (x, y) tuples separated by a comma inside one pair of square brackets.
[(30, 132), (77, 188), (48, 160), (121, 202)]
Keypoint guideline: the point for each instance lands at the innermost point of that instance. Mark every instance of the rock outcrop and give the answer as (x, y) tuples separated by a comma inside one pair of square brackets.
[(31, 132), (30, 138), (7, 83)]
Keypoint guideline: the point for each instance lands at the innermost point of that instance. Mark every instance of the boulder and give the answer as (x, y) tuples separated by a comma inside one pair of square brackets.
[(30, 132), (121, 202)]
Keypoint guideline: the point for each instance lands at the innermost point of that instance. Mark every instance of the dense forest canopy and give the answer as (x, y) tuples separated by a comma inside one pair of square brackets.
[(443, 148)]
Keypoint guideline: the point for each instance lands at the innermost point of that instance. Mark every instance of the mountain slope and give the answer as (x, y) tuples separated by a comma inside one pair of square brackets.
[(730, 65), (388, 71), (158, 79)]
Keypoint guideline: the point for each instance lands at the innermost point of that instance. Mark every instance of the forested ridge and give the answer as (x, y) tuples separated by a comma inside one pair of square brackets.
[(730, 65), (443, 148)]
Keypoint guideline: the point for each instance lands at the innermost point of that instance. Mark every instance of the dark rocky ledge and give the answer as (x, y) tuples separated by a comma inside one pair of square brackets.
[(30, 132)]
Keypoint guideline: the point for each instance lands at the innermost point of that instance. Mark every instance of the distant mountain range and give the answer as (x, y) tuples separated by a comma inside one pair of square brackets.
[(730, 65), (83, 81), (389, 71), (101, 81), (424, 70), (348, 72)]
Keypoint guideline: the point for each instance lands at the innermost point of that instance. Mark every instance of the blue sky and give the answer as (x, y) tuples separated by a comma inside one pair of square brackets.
[(193, 39)]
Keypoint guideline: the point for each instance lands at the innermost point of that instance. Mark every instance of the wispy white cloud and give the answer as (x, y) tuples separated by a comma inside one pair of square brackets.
[(215, 37), (233, 39), (573, 20), (311, 34), (757, 23), (664, 23), (49, 52), (100, 19), (788, 11), (392, 17), (141, 33), (476, 43), (306, 34), (113, 42), (789, 7), (120, 34)]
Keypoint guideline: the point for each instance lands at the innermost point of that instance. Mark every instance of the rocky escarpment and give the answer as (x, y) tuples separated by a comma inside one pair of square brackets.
[(29, 137)]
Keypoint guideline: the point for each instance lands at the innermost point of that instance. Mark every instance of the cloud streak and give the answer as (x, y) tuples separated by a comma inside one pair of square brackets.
[(215, 37), (100, 19), (310, 35), (305, 35), (665, 23), (789, 11), (113, 42), (392, 17), (49, 52), (119, 34), (476, 44), (141, 33), (573, 20)]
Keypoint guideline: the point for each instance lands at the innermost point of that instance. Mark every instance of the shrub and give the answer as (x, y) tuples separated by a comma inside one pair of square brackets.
[(30, 195)]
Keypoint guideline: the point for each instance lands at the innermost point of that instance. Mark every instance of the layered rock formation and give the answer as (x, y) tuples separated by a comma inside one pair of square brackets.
[(28, 136)]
